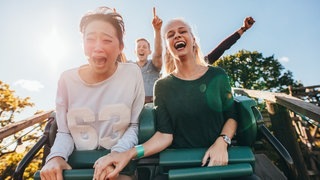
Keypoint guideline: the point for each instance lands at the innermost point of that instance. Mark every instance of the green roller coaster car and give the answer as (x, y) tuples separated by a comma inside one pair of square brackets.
[(175, 163)]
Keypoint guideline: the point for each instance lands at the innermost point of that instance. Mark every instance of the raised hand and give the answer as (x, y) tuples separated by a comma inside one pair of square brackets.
[(248, 22), (156, 22)]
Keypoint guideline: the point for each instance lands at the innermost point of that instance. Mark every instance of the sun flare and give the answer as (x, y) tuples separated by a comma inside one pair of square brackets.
[(54, 48)]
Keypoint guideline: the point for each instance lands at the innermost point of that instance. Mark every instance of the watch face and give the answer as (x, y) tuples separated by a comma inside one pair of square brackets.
[(227, 139)]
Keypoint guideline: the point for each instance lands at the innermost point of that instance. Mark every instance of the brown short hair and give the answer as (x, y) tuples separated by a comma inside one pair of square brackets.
[(143, 39)]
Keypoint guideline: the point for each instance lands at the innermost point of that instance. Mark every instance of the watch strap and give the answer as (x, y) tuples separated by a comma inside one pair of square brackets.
[(226, 139)]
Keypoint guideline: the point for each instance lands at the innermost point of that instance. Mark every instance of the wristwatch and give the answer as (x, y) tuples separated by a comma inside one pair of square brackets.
[(226, 139)]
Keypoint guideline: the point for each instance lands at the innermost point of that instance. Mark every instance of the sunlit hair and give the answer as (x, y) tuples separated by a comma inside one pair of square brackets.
[(143, 39), (108, 15), (169, 65), (122, 58)]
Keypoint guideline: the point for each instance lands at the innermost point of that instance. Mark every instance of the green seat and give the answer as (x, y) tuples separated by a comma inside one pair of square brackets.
[(82, 161), (193, 156), (180, 163), (74, 174), (146, 123), (82, 164), (247, 126), (213, 172), (186, 163)]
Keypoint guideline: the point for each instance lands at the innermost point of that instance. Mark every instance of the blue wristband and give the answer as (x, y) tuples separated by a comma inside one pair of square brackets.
[(140, 151)]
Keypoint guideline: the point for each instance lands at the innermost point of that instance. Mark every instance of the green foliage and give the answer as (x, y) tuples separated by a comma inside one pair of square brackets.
[(250, 70)]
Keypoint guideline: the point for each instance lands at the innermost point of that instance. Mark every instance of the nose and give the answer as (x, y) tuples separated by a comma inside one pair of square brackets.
[(98, 46), (177, 36)]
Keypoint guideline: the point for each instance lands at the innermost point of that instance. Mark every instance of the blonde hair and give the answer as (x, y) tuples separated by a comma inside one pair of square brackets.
[(169, 65)]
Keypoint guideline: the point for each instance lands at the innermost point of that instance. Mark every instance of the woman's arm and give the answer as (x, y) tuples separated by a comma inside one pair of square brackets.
[(217, 52), (217, 153), (130, 137), (63, 145), (155, 144)]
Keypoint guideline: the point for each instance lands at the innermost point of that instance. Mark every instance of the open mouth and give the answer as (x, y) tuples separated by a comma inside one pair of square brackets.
[(179, 45), (99, 60)]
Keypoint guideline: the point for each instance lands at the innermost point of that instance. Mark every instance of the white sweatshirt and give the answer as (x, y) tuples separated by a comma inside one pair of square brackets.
[(104, 114)]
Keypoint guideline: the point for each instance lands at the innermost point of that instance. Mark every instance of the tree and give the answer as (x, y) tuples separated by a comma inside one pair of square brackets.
[(250, 70), (10, 104)]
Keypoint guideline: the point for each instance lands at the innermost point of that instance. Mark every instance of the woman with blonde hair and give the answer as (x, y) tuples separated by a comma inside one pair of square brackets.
[(194, 106)]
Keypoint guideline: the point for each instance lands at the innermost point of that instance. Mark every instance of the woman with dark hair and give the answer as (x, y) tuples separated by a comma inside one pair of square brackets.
[(97, 104)]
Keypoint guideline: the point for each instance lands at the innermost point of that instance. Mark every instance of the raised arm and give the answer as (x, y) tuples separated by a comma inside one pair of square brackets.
[(157, 54), (217, 52), (247, 24)]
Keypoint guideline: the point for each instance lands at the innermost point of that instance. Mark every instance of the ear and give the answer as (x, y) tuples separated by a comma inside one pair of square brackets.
[(121, 46)]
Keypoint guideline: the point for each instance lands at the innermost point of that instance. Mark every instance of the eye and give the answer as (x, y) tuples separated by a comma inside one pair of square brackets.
[(90, 39), (107, 40), (183, 31), (170, 35)]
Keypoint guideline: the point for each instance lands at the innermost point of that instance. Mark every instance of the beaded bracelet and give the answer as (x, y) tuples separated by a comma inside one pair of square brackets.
[(140, 151)]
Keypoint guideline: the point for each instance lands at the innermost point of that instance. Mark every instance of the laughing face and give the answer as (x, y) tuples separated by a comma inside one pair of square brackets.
[(179, 39), (142, 50), (101, 45)]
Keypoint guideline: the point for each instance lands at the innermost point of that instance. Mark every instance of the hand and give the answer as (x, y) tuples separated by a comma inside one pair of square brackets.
[(109, 166), (53, 169), (248, 22), (156, 22), (217, 154)]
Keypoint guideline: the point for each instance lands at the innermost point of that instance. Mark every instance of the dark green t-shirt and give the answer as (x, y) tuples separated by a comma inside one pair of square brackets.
[(194, 111)]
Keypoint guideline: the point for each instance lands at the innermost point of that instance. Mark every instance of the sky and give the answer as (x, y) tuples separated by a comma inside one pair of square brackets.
[(41, 38)]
